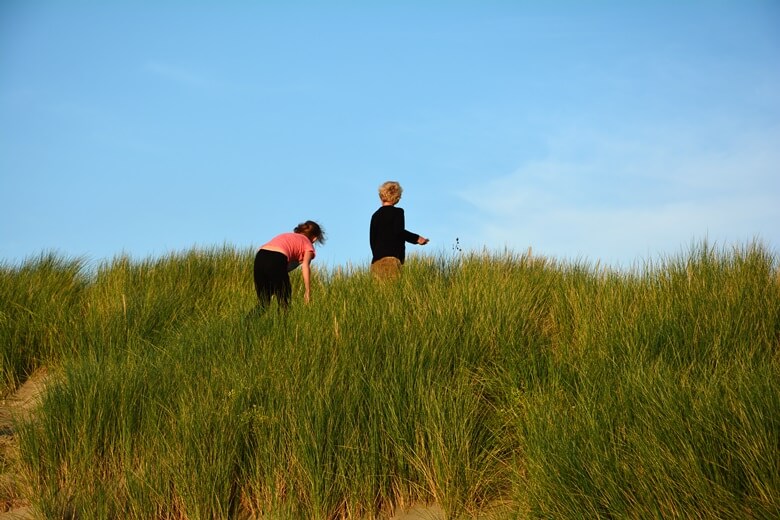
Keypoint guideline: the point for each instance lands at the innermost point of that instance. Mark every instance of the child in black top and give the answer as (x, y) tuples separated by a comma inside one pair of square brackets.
[(388, 233)]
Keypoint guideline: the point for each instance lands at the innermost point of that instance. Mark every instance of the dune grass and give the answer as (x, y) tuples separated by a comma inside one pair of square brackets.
[(498, 384)]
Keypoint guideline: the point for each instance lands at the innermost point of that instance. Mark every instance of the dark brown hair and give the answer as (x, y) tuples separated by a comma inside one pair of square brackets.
[(312, 230)]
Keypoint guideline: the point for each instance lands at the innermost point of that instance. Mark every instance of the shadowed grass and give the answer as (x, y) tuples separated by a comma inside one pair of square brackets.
[(39, 306)]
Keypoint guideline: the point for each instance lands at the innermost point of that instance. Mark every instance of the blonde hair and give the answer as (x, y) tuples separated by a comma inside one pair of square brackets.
[(390, 192)]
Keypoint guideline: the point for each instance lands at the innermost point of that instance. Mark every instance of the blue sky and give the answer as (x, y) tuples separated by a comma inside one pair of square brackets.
[(606, 131)]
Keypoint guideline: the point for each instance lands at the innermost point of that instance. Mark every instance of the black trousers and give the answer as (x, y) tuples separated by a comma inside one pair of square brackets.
[(271, 277)]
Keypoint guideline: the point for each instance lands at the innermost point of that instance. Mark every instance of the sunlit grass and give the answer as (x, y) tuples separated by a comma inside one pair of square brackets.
[(498, 383)]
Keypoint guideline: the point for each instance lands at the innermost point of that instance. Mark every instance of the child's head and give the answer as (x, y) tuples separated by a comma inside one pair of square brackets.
[(312, 230), (390, 192)]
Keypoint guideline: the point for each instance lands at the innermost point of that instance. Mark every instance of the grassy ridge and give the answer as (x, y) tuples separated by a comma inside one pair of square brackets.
[(518, 386)]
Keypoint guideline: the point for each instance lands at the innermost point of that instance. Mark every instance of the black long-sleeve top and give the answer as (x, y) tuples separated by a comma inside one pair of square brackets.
[(388, 234)]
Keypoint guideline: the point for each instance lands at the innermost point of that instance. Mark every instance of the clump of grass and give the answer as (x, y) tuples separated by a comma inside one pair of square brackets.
[(39, 306)]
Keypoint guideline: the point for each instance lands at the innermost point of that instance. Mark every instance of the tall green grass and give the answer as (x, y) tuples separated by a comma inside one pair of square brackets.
[(499, 384), (39, 307)]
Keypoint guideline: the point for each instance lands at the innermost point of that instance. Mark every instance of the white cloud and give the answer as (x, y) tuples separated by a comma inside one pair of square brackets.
[(180, 75), (623, 199)]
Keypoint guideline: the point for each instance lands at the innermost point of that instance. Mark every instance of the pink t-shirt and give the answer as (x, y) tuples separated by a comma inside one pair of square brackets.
[(293, 245)]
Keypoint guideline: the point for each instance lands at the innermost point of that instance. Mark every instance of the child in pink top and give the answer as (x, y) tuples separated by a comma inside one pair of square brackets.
[(292, 245), (282, 254)]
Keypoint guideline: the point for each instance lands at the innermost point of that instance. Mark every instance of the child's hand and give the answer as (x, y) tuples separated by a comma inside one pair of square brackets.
[(422, 241)]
